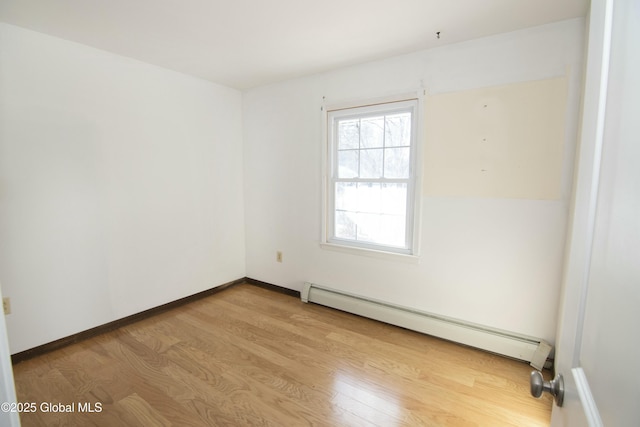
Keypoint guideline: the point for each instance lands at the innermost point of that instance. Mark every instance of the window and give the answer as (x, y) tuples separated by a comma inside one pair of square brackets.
[(371, 172)]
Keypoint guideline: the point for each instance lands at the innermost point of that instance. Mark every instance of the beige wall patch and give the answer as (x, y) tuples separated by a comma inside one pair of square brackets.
[(497, 142)]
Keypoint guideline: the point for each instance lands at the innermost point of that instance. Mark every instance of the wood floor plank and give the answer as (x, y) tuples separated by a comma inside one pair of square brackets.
[(138, 411), (248, 356)]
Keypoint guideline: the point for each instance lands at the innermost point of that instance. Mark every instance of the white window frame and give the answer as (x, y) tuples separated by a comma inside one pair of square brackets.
[(412, 102)]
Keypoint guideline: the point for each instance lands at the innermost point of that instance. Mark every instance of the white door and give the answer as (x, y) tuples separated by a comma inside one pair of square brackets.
[(8, 411), (598, 347)]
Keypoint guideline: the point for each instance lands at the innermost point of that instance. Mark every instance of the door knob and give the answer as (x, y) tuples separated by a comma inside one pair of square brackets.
[(555, 386)]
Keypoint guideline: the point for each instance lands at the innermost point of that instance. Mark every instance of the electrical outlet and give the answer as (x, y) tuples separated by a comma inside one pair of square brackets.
[(6, 305), (279, 256)]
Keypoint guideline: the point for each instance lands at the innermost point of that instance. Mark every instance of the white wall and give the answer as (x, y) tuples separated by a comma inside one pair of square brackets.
[(120, 186), (496, 262)]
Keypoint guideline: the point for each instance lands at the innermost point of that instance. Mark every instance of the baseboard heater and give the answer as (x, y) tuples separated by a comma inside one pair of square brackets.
[(533, 350)]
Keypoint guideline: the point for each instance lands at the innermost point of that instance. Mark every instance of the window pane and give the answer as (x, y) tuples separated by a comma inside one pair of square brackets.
[(371, 163), (396, 162), (348, 134), (345, 225), (369, 197), (369, 228), (372, 132), (393, 199), (348, 164), (392, 230), (381, 229), (398, 130), (346, 196)]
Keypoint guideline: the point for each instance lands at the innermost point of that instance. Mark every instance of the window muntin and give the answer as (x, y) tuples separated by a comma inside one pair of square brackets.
[(372, 176)]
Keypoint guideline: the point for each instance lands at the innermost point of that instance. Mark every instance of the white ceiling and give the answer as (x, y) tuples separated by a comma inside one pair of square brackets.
[(247, 43)]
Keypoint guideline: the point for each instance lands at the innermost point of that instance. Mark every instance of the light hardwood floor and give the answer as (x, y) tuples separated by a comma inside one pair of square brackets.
[(251, 356)]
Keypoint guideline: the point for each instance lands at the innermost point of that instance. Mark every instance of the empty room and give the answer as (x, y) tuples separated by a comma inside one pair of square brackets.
[(341, 213)]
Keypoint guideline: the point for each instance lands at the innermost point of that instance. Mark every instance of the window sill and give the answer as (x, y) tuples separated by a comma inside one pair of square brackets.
[(412, 259)]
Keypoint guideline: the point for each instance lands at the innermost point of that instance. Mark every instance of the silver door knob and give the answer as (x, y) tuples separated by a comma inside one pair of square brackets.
[(555, 386)]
